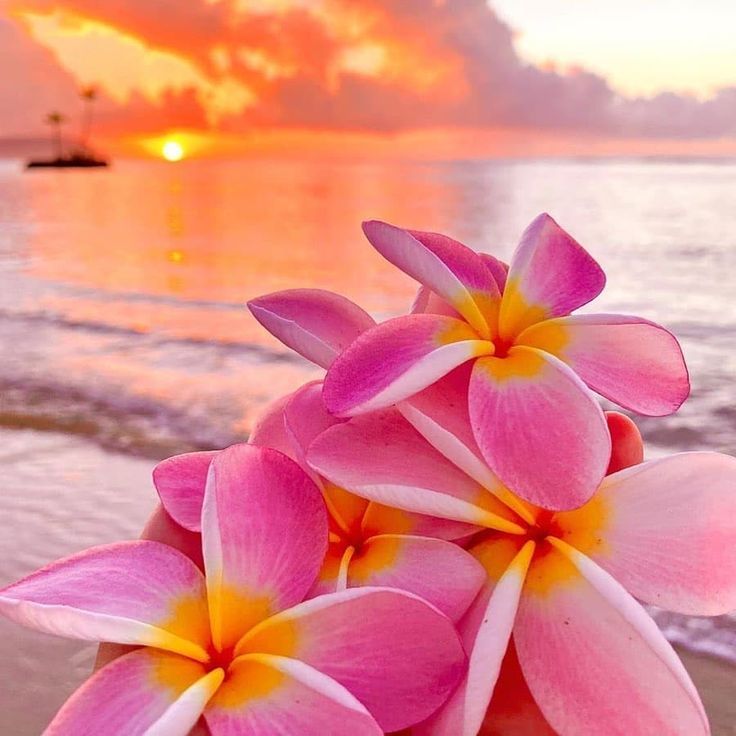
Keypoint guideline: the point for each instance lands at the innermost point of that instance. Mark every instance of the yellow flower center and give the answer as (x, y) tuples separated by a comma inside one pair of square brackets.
[(581, 528)]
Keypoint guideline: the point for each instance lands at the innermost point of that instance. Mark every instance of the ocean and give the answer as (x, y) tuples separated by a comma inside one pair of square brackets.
[(125, 338)]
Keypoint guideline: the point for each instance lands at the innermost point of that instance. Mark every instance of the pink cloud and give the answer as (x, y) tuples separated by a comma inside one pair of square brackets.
[(480, 80), (32, 83)]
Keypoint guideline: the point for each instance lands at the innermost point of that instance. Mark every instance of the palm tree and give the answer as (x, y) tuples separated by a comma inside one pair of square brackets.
[(89, 95), (56, 120)]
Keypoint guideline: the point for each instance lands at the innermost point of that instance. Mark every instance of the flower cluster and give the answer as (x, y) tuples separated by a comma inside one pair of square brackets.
[(447, 536)]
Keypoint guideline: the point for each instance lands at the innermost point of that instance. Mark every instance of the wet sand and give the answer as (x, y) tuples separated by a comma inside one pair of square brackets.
[(716, 683), (61, 494)]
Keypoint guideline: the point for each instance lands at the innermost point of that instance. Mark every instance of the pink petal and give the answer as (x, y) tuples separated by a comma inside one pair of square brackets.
[(666, 530), (440, 415), (539, 428), (180, 482), (266, 695), (498, 269), (368, 456), (316, 324), (306, 418), (270, 429), (450, 269), (396, 359), (329, 575), (594, 660), (485, 632), (630, 361), (627, 448), (513, 710), (264, 536), (129, 593), (550, 275), (160, 527), (439, 572), (380, 519), (397, 654), (427, 302), (143, 692)]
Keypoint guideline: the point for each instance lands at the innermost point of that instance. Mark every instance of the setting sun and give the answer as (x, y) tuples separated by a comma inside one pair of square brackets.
[(172, 151)]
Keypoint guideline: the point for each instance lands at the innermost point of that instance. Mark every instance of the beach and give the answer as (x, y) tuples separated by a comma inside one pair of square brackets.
[(125, 337)]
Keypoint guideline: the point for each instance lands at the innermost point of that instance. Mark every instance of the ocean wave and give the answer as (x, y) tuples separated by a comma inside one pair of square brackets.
[(54, 319), (715, 636), (125, 423)]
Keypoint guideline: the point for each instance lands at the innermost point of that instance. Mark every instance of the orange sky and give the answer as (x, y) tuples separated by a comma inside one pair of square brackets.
[(379, 77)]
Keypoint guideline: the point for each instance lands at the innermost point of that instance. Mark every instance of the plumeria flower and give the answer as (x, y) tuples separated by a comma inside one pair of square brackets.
[(534, 365), (662, 532), (236, 643), (319, 325), (513, 710), (369, 544)]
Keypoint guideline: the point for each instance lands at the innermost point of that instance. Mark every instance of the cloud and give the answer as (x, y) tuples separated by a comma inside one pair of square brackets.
[(35, 85), (670, 115), (352, 65)]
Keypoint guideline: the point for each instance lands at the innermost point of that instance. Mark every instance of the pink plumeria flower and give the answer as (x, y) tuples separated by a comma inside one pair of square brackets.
[(236, 644), (319, 325), (369, 544), (662, 532), (533, 364)]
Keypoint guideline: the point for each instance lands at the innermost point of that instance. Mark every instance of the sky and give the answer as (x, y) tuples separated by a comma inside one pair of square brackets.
[(384, 77)]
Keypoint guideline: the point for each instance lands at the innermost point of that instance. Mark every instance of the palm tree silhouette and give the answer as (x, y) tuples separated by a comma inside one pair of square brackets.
[(89, 95), (56, 120)]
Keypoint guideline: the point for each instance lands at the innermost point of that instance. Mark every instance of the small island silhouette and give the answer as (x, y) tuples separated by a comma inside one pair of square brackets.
[(81, 156)]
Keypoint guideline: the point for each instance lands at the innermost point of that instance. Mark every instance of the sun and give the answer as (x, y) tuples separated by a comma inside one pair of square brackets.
[(172, 151)]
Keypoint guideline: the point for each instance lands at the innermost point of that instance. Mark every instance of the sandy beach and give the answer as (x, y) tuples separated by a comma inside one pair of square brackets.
[(716, 683), (61, 494)]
